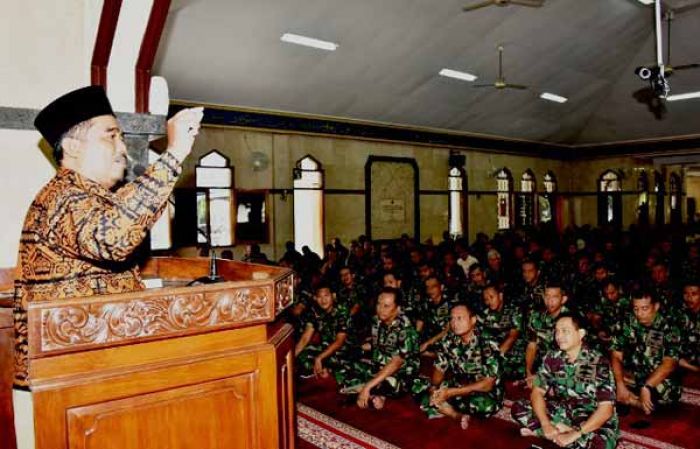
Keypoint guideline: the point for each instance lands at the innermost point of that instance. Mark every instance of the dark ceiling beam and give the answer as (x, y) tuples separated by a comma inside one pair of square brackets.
[(147, 54), (103, 42)]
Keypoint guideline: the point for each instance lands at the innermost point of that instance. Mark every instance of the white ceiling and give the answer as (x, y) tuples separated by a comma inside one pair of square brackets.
[(385, 69)]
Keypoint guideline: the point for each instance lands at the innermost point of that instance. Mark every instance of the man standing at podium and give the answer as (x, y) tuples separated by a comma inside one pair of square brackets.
[(82, 228)]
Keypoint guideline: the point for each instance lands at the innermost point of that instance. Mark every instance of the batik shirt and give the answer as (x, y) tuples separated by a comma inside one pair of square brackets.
[(540, 329), (645, 347), (396, 339), (77, 239), (471, 362), (579, 386)]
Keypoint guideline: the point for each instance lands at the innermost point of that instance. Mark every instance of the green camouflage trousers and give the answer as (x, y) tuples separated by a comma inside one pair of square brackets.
[(667, 392), (360, 372), (514, 362), (603, 438), (476, 404), (336, 364)]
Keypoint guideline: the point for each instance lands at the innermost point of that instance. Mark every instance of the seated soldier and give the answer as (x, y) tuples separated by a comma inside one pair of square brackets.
[(466, 380), (303, 300), (531, 297), (690, 323), (540, 328), (474, 294), (649, 345), (351, 294), (412, 306), (393, 365), (573, 398), (613, 311), (504, 322), (436, 313), (331, 323)]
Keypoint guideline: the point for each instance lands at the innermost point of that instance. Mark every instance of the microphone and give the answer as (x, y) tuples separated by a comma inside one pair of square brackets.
[(213, 276)]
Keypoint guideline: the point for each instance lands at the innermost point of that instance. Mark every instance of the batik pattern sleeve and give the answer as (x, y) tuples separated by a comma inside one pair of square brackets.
[(104, 225)]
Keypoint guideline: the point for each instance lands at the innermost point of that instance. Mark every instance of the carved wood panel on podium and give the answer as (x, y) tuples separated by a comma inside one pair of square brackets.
[(175, 367)]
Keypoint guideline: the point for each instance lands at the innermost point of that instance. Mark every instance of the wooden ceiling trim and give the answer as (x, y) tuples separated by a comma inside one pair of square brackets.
[(103, 42), (147, 54)]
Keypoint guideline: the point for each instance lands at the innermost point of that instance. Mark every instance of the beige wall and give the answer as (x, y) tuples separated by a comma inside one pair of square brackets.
[(344, 162), (45, 48)]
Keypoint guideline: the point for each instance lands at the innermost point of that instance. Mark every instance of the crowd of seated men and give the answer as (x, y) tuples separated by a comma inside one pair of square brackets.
[(591, 322)]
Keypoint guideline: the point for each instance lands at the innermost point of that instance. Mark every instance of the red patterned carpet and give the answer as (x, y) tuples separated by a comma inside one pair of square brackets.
[(327, 421)]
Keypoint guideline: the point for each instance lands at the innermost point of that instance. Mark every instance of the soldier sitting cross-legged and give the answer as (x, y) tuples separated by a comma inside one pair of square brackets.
[(393, 364), (573, 397), (466, 380)]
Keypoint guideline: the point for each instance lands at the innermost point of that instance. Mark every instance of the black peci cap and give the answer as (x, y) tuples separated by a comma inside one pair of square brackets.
[(72, 108)]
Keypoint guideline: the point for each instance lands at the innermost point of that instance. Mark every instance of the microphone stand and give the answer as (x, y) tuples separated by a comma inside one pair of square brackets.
[(213, 276)]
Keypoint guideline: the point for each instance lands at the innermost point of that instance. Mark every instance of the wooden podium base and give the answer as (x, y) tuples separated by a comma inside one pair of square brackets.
[(203, 367)]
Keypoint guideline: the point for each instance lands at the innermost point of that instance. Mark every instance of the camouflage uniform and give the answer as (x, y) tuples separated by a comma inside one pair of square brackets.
[(355, 295), (540, 329), (436, 316), (474, 296), (465, 364), (362, 320), (690, 346), (574, 391), (615, 314), (532, 297), (612, 316), (413, 301), (328, 325), (553, 271), (584, 292), (670, 298), (306, 298), (399, 338), (498, 324), (644, 349)]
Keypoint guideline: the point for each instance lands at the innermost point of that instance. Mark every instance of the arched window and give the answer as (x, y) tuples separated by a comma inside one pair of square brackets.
[(308, 204), (526, 199), (214, 180), (456, 184), (659, 196), (547, 201), (675, 190), (504, 182), (643, 198), (161, 232), (610, 199)]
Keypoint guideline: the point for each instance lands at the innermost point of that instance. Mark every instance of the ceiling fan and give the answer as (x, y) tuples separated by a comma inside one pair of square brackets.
[(500, 82), (483, 4)]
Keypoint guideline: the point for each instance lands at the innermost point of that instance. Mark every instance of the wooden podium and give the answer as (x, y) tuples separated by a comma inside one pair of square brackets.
[(177, 367)]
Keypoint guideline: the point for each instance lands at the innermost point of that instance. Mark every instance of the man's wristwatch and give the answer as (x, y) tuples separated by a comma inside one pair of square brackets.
[(648, 387)]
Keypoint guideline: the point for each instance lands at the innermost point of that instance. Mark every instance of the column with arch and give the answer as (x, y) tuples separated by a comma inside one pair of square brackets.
[(214, 181), (504, 192), (308, 204), (610, 199)]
